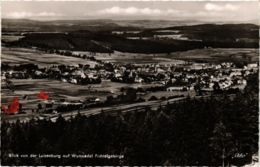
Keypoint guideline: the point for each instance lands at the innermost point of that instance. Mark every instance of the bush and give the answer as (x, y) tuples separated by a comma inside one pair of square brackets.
[(152, 98)]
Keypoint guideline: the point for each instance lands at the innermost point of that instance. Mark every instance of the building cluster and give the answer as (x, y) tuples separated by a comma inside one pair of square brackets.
[(189, 76), (81, 74), (181, 76)]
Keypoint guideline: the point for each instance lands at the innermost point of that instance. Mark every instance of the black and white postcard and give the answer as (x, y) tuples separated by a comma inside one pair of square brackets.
[(124, 83)]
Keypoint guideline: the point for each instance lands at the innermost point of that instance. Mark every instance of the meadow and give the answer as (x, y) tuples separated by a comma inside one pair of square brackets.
[(216, 55), (26, 55), (60, 91)]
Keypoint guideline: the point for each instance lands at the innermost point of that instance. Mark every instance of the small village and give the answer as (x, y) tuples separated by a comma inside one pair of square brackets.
[(184, 76)]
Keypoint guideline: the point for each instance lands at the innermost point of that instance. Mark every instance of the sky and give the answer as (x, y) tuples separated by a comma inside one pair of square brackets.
[(163, 10)]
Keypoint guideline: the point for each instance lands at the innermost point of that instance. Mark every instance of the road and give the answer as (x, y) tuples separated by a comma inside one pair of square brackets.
[(94, 111), (122, 108)]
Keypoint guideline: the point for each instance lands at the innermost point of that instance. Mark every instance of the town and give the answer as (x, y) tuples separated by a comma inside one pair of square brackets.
[(187, 76)]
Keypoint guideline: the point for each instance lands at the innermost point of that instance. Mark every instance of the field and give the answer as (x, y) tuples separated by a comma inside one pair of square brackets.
[(137, 58), (11, 38), (217, 55), (200, 55), (24, 55), (59, 90)]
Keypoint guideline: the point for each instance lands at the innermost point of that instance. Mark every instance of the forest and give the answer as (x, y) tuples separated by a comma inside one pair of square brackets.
[(207, 132), (103, 41)]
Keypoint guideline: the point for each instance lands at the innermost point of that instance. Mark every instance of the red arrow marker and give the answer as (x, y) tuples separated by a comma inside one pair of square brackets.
[(43, 95), (14, 106)]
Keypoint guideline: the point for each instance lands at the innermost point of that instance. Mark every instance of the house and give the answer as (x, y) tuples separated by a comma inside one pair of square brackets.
[(235, 73), (242, 82), (159, 70), (211, 84), (93, 99), (218, 66), (190, 76), (139, 80), (92, 75), (175, 88), (77, 73), (74, 81), (38, 72), (225, 84), (207, 89), (3, 77), (83, 75), (252, 65), (63, 80), (196, 67), (97, 100), (55, 69), (177, 74), (240, 87), (246, 73), (117, 75)]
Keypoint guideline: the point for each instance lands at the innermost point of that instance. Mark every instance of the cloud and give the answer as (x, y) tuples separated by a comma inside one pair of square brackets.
[(19, 15), (215, 7), (212, 11), (136, 11)]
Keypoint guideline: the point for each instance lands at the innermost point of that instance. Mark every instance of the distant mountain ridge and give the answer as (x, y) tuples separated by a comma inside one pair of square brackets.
[(149, 36), (92, 25)]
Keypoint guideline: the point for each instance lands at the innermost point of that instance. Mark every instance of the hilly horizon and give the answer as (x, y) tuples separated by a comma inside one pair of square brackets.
[(96, 38), (141, 23)]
